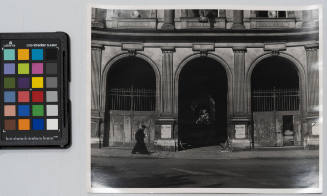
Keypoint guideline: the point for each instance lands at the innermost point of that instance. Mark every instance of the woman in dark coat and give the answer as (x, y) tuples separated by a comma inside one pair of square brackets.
[(140, 145)]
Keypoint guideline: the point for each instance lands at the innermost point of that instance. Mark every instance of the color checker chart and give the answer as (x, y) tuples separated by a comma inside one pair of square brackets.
[(35, 103)]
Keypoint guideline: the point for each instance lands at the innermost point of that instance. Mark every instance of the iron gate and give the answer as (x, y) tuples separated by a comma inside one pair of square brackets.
[(275, 100), (132, 99)]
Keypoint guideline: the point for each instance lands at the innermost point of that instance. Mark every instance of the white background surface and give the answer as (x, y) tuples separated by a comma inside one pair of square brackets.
[(65, 172)]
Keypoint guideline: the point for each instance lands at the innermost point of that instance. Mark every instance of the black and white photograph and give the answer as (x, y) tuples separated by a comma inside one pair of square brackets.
[(210, 99)]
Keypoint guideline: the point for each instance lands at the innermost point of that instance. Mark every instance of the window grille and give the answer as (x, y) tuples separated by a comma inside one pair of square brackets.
[(275, 100), (132, 99)]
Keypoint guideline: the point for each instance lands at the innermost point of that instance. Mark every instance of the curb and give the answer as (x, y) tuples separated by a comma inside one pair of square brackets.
[(212, 157)]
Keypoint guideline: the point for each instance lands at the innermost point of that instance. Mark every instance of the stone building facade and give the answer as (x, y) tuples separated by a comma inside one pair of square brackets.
[(191, 77)]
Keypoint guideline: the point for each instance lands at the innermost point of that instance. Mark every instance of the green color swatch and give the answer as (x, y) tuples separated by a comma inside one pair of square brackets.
[(37, 110), (23, 68), (9, 82)]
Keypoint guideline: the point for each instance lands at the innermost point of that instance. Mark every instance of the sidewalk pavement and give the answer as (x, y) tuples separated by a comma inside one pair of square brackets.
[(211, 152)]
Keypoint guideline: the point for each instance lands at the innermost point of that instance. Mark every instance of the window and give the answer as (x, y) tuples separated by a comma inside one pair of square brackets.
[(271, 14)]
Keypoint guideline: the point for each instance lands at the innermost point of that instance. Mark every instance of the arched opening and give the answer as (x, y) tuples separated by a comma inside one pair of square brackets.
[(275, 102), (202, 103), (130, 100)]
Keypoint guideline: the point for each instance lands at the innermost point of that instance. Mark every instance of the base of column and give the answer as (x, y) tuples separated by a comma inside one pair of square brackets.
[(241, 132), (97, 127), (165, 145), (166, 134), (311, 140), (241, 144)]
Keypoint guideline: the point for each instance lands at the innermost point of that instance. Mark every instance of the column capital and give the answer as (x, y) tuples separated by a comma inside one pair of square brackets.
[(313, 46), (97, 46), (167, 49), (240, 49)]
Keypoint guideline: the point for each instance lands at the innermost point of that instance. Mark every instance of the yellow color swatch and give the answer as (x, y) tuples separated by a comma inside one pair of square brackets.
[(37, 82), (24, 124), (23, 54)]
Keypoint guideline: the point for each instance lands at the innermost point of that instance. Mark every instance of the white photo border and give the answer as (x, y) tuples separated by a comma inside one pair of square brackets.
[(319, 189)]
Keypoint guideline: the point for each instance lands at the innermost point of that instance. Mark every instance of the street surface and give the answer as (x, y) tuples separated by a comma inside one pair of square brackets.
[(151, 172)]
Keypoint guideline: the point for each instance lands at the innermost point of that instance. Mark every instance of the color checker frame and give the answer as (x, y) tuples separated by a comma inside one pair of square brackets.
[(34, 84)]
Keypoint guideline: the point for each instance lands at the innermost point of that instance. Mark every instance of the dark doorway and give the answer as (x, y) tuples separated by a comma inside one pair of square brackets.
[(202, 101), (288, 130), (275, 100), (131, 87)]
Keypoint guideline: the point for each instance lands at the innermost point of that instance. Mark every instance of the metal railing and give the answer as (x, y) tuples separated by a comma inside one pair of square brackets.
[(275, 100), (132, 99)]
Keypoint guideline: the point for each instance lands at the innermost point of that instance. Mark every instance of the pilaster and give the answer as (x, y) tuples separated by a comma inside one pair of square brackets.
[(239, 94), (313, 77), (240, 121), (166, 126), (97, 115), (312, 122), (96, 56), (167, 80)]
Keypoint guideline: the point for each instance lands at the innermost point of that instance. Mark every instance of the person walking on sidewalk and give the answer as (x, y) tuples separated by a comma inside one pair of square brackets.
[(140, 145)]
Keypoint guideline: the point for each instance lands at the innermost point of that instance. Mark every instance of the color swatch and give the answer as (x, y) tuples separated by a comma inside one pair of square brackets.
[(30, 111), (33, 106)]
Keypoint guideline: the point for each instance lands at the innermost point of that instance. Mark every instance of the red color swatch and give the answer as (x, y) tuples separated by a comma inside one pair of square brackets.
[(23, 96), (37, 96)]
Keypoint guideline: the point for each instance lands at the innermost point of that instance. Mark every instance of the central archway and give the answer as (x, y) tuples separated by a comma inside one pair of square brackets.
[(202, 102)]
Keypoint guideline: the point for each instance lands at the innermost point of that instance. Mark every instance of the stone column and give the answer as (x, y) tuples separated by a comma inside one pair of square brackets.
[(167, 80), (311, 135), (238, 19), (313, 77), (240, 98), (240, 121), (169, 16), (166, 127), (97, 115)]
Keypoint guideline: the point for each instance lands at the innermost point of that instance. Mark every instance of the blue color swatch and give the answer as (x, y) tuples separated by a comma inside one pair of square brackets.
[(37, 54), (9, 54), (9, 68), (23, 110), (9, 96), (38, 124)]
